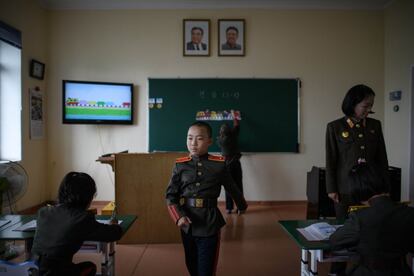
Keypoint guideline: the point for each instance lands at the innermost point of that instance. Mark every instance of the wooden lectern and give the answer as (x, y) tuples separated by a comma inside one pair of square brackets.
[(141, 180)]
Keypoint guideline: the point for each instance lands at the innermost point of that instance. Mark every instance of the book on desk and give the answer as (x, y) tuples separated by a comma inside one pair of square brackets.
[(319, 231)]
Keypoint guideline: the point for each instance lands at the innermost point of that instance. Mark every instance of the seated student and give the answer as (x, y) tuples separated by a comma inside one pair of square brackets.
[(62, 229), (382, 234), (192, 200)]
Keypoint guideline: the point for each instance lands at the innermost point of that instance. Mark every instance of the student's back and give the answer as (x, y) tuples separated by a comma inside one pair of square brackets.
[(383, 235), (62, 229)]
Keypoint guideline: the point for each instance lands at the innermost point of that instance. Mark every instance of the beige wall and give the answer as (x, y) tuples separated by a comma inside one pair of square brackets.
[(329, 50), (399, 57), (31, 21)]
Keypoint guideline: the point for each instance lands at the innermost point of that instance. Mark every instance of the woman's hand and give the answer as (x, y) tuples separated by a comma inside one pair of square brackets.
[(334, 197)]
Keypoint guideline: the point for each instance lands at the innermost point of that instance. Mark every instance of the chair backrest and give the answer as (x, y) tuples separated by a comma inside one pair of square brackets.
[(18, 269)]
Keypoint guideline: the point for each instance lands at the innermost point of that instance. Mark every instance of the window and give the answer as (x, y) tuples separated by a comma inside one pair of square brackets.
[(10, 94)]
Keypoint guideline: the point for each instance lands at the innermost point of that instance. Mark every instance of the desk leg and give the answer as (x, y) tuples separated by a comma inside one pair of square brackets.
[(412, 263), (314, 262), (111, 263), (28, 244), (304, 264), (104, 260)]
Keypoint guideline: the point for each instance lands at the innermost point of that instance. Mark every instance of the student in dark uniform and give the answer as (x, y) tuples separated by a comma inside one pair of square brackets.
[(382, 234), (228, 142), (351, 140), (192, 200), (62, 229)]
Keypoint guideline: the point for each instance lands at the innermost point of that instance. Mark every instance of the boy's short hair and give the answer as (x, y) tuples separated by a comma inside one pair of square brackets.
[(366, 182), (77, 190), (205, 125), (354, 96)]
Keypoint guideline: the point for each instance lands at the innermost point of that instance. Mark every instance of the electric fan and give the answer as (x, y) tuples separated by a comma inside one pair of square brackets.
[(13, 184)]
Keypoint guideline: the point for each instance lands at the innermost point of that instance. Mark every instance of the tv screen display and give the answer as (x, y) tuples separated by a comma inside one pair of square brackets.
[(87, 102)]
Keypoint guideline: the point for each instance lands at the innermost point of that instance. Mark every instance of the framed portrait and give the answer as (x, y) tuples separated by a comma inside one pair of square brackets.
[(37, 69), (196, 37), (231, 37)]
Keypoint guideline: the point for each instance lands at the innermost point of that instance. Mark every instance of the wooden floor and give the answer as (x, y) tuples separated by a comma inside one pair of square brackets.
[(251, 244)]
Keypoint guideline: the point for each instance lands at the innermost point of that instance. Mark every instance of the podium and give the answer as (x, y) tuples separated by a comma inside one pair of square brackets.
[(141, 181), (321, 206)]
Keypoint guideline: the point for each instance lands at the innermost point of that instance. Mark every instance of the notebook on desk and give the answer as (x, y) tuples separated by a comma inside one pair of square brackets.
[(318, 231), (27, 227), (3, 222)]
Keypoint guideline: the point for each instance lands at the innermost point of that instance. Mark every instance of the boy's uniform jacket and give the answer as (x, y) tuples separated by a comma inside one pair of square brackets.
[(199, 179)]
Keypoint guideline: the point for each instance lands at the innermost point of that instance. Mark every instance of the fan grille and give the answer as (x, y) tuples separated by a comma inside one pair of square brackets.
[(16, 176)]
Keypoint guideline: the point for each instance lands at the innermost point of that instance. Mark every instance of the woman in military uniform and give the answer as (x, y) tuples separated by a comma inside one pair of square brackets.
[(352, 140)]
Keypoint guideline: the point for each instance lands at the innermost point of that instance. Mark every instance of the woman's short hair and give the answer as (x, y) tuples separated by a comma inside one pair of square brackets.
[(354, 96), (366, 182), (77, 190)]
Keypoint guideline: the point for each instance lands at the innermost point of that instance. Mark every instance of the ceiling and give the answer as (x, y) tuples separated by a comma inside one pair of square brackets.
[(216, 4)]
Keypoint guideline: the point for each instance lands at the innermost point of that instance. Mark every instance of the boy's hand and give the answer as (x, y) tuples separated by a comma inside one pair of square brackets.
[(183, 221), (113, 221)]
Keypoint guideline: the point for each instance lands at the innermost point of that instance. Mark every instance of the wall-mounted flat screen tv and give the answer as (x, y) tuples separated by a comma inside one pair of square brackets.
[(86, 102)]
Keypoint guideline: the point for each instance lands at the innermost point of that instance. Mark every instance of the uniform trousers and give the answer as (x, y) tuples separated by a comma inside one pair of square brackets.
[(201, 253), (235, 169)]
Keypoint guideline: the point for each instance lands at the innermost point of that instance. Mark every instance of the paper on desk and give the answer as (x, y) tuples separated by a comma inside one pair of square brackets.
[(107, 221), (29, 226), (3, 222), (318, 231)]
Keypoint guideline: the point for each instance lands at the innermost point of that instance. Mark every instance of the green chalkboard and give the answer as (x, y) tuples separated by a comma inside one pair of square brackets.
[(269, 111)]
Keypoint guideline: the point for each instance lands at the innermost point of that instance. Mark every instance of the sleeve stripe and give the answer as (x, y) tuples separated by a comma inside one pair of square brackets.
[(173, 213)]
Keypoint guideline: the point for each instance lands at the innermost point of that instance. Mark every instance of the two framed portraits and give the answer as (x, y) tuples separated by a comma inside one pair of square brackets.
[(231, 37)]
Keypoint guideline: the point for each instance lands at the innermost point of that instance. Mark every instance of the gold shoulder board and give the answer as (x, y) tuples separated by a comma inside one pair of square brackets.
[(216, 158), (183, 159)]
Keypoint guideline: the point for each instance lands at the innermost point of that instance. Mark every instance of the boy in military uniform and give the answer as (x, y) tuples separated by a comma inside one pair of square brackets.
[(192, 196)]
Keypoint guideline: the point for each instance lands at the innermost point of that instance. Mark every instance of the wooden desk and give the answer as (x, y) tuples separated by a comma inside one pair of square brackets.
[(110, 160), (314, 248), (106, 249)]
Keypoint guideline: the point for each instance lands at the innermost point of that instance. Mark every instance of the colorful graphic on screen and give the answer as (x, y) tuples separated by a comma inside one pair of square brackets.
[(91, 101)]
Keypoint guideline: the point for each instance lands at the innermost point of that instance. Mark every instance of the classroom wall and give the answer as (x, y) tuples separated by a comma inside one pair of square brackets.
[(399, 57), (329, 50), (30, 19)]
